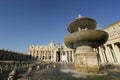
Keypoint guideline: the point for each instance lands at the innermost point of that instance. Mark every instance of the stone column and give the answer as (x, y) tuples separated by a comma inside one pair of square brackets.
[(46, 55), (34, 54), (66, 53), (103, 60), (108, 54), (51, 55), (116, 52), (42, 55), (39, 55), (112, 54), (55, 56), (61, 52), (72, 56), (67, 56), (104, 54)]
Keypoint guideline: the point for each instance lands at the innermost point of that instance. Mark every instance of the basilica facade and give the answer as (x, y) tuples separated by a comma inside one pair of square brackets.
[(52, 52), (109, 53)]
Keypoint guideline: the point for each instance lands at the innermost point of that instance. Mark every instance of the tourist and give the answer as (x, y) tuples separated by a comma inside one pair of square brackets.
[(47, 67), (38, 67), (54, 66), (29, 69), (12, 75)]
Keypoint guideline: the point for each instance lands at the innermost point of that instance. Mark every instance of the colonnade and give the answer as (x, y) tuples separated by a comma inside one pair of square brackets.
[(9, 55), (109, 53)]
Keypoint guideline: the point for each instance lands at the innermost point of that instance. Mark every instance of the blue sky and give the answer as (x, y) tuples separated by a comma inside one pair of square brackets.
[(26, 22)]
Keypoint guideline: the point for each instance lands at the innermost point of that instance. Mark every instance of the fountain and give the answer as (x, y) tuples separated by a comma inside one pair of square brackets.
[(83, 39)]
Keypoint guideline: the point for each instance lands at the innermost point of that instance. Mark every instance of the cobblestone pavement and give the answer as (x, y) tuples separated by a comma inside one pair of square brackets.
[(59, 73), (56, 74)]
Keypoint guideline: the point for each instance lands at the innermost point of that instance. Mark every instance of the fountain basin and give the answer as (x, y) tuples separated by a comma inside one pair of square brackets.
[(82, 22), (93, 38)]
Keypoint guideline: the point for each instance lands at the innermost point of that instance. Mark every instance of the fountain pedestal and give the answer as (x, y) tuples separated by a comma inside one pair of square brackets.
[(86, 60)]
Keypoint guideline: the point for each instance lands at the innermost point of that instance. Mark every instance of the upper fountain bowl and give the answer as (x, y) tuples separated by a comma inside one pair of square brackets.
[(82, 23), (93, 38)]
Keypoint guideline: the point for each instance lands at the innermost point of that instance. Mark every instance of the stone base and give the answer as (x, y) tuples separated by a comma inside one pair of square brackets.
[(86, 62)]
